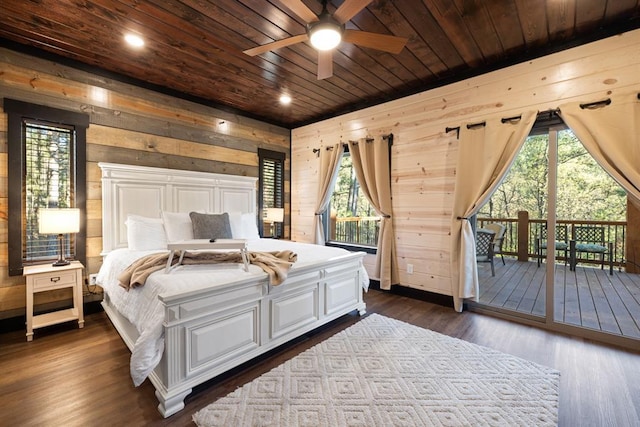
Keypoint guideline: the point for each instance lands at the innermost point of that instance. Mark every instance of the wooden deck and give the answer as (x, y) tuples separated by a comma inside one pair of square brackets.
[(588, 297)]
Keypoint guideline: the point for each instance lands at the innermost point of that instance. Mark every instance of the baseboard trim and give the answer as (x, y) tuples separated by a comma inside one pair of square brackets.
[(419, 294)]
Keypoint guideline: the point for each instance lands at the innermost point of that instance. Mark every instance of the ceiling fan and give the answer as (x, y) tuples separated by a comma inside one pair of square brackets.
[(326, 31)]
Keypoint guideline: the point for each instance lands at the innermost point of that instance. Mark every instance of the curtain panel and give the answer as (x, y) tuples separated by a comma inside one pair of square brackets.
[(611, 134), (372, 165), (330, 157), (485, 154)]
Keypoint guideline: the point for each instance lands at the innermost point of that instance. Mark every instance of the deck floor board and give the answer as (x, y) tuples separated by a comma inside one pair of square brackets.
[(587, 297)]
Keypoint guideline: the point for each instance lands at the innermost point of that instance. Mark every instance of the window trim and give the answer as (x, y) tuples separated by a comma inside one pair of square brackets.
[(325, 217), (16, 112), (279, 157)]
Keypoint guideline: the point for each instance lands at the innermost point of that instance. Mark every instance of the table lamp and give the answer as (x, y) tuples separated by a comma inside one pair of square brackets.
[(273, 215), (59, 221)]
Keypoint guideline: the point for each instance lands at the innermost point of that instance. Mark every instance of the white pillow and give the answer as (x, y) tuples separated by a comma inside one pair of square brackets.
[(235, 221), (243, 225), (145, 233), (249, 227), (177, 226)]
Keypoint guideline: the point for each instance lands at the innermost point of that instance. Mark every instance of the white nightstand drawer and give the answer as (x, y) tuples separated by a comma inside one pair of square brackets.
[(46, 281)]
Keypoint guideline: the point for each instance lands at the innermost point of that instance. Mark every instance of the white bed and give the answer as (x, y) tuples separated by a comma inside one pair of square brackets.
[(196, 322)]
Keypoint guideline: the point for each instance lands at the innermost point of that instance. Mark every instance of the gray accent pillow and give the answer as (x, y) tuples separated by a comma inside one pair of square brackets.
[(210, 226)]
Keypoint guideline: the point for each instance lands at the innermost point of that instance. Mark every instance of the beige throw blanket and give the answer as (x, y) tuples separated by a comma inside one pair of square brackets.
[(276, 264)]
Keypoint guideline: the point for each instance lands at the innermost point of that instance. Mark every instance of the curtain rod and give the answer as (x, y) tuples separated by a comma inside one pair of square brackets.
[(476, 125), (549, 112), (511, 119), (316, 151), (594, 105), (389, 137), (457, 129), (483, 123)]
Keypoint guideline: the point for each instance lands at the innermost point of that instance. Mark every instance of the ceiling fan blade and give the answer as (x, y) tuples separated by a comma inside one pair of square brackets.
[(349, 9), (300, 9), (384, 42), (325, 64), (276, 45)]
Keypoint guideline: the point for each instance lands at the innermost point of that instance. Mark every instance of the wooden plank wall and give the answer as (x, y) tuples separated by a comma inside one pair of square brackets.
[(128, 125), (424, 156)]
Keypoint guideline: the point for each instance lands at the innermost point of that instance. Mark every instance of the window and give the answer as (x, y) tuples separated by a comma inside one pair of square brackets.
[(271, 186), (48, 182), (352, 219), (47, 169)]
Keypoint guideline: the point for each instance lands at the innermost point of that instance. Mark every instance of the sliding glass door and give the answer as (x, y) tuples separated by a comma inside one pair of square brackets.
[(561, 259)]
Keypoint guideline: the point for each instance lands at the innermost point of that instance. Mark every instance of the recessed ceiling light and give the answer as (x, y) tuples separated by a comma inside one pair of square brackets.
[(285, 99), (134, 40)]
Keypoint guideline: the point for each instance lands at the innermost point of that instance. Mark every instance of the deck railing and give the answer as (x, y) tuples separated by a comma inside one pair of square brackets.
[(520, 237), (355, 230), (524, 246)]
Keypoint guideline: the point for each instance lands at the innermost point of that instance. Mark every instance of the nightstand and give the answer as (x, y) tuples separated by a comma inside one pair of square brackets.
[(45, 277)]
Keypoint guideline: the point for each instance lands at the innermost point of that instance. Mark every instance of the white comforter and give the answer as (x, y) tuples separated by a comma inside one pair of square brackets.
[(142, 307)]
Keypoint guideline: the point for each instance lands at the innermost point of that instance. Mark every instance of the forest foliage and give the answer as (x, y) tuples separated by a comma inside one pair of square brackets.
[(584, 190), (347, 200), (48, 182)]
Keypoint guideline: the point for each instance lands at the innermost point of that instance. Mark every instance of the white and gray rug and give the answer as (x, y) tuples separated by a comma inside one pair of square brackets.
[(384, 372)]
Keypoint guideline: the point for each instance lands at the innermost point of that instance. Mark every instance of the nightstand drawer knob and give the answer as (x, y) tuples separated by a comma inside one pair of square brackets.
[(55, 279)]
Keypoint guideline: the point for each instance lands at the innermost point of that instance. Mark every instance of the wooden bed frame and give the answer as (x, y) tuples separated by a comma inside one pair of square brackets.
[(210, 331)]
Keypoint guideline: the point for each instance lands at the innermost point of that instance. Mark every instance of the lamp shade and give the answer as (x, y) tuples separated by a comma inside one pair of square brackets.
[(59, 221), (274, 215)]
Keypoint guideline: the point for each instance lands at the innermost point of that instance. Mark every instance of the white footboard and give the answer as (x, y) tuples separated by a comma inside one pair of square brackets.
[(209, 332)]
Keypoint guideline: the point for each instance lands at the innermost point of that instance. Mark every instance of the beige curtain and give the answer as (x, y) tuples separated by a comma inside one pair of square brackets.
[(371, 163), (611, 134), (485, 154), (330, 157)]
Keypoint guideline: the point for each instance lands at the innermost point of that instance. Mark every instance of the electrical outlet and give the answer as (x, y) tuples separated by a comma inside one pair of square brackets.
[(92, 279), (409, 268)]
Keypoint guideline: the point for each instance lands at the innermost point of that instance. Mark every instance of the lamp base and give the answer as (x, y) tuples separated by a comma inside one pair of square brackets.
[(61, 263)]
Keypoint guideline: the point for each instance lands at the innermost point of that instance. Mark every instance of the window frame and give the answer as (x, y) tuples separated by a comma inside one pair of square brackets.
[(279, 158), (325, 225), (17, 112)]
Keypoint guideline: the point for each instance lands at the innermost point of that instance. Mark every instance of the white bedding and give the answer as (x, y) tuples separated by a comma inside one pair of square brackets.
[(142, 307)]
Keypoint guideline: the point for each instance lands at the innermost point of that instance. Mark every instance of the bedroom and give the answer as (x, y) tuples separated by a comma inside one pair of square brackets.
[(122, 114)]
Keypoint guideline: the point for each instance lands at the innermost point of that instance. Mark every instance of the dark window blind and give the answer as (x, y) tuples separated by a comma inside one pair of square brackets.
[(49, 184), (271, 184)]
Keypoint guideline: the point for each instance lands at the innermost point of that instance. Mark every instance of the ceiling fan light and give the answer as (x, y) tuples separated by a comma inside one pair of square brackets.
[(325, 37), (326, 33)]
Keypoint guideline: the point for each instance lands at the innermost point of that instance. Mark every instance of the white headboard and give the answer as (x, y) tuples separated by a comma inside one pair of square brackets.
[(148, 191)]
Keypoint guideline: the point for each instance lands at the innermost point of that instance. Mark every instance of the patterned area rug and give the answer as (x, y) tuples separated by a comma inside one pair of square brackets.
[(384, 372)]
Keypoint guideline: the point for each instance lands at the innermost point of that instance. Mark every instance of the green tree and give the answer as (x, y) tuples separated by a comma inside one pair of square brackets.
[(347, 199), (48, 180), (584, 190)]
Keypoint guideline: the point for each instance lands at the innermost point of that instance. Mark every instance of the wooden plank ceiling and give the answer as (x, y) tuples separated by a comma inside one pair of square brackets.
[(194, 47)]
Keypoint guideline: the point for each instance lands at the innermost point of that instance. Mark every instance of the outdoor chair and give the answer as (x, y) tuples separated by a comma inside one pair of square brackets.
[(561, 242), (498, 240), (590, 240), (484, 247)]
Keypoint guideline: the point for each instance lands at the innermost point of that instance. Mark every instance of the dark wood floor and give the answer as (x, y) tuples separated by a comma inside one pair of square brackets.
[(588, 297), (80, 377)]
